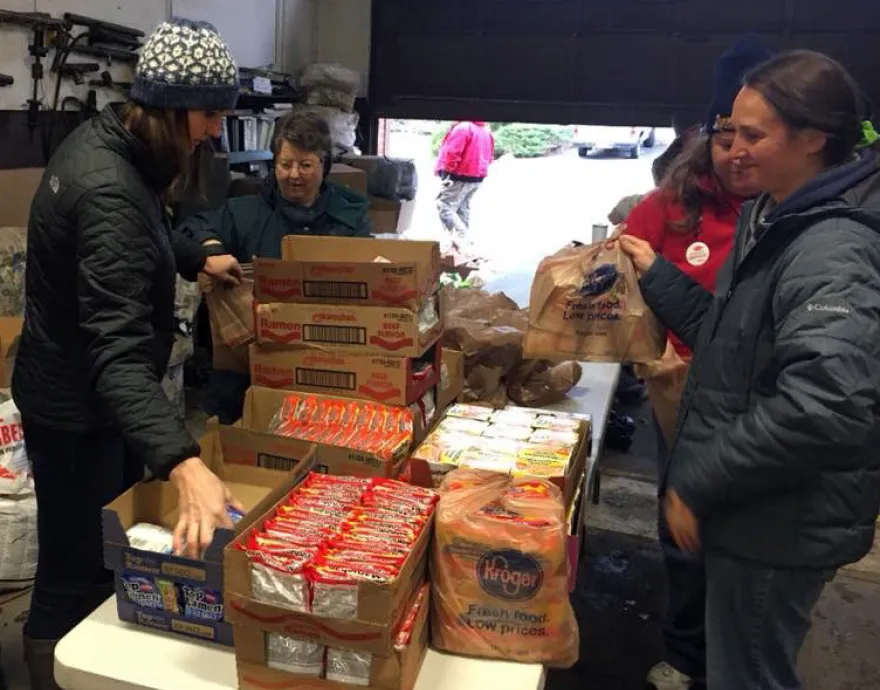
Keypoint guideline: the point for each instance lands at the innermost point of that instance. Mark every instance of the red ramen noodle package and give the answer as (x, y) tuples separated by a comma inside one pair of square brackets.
[(586, 305), (380, 430), (499, 571), (331, 535)]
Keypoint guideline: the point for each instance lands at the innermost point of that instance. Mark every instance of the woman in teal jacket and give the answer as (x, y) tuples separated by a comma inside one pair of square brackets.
[(297, 199)]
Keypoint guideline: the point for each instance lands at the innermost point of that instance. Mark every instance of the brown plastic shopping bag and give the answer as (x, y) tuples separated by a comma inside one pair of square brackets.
[(586, 305)]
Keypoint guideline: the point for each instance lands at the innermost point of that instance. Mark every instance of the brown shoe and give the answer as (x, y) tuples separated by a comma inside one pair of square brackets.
[(39, 655)]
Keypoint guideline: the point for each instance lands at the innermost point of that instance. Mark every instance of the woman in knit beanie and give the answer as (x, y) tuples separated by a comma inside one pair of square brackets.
[(99, 325)]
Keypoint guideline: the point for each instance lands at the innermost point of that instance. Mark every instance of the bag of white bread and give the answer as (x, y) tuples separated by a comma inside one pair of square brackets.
[(586, 305), (500, 571)]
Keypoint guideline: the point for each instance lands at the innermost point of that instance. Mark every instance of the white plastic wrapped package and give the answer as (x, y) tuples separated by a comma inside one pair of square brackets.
[(15, 474), (330, 73), (331, 85), (302, 657), (289, 590), (148, 537), (18, 534), (348, 666)]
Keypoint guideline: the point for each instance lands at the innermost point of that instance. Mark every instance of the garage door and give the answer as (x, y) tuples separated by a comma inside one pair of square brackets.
[(591, 61)]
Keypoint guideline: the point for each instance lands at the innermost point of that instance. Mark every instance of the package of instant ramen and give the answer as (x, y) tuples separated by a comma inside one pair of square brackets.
[(499, 571), (586, 305)]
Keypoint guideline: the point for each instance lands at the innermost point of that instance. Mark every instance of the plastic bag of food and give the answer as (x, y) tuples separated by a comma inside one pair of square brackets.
[(500, 571), (586, 305)]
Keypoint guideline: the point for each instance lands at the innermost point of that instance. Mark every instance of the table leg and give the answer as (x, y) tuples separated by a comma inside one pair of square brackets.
[(596, 486)]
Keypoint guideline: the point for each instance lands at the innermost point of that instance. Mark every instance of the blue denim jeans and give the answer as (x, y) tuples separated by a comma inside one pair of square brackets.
[(756, 621)]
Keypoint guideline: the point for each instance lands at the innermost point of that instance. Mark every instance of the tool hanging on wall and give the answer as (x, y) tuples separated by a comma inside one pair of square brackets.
[(44, 28)]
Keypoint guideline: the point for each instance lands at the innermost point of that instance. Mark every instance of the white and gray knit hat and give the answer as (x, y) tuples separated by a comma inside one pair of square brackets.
[(185, 65)]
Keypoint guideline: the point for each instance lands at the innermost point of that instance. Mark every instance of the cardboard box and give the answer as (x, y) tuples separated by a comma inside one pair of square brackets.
[(429, 474), (451, 377), (347, 176), (249, 442), (364, 330), (389, 216), (10, 333), (17, 190), (344, 270), (380, 606), (387, 380), (397, 671), (156, 502), (575, 532)]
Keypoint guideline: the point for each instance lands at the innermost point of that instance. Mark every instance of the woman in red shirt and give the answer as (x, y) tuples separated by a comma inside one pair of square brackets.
[(691, 221)]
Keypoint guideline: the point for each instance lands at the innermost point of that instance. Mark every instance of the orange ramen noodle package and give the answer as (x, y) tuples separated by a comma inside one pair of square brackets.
[(500, 572), (586, 305)]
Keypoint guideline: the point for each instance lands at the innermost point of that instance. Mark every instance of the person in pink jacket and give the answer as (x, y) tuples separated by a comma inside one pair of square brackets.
[(465, 155)]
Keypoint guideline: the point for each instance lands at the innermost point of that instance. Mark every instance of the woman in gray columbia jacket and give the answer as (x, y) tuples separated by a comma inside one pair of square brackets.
[(775, 472)]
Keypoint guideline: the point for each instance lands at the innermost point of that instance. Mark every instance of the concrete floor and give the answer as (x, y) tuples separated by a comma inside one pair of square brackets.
[(620, 599)]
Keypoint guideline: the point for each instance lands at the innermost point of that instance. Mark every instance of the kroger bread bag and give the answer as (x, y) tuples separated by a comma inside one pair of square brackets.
[(586, 305), (499, 571)]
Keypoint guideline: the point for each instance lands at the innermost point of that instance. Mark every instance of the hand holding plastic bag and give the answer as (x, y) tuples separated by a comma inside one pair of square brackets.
[(586, 305)]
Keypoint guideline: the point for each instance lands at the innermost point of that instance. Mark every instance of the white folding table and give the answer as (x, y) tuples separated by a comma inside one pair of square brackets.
[(103, 653)]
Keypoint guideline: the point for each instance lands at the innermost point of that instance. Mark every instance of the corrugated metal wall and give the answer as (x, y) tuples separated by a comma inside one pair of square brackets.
[(591, 61)]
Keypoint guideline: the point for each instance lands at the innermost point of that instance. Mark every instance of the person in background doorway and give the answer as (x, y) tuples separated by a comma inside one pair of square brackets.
[(690, 220), (296, 199), (466, 153), (99, 326), (774, 475)]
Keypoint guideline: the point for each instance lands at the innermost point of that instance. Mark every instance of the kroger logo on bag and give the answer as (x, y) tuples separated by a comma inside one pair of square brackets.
[(600, 280), (510, 574)]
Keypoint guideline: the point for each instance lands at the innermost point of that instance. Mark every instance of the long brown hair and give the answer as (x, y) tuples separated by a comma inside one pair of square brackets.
[(685, 182), (166, 134)]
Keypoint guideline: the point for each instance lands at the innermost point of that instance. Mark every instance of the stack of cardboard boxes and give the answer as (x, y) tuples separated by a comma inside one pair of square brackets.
[(344, 318), (377, 637)]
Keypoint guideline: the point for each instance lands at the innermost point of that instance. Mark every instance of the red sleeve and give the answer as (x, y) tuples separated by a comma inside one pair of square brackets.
[(453, 149), (648, 220)]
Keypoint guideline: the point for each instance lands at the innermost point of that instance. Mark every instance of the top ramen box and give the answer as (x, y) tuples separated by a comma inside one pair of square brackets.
[(350, 270), (363, 330)]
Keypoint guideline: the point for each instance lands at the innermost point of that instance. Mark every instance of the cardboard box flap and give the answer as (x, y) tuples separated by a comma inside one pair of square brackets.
[(10, 334), (154, 502), (359, 250)]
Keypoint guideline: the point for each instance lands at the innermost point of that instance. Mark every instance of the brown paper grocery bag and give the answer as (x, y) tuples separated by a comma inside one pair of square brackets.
[(665, 379), (586, 305), (231, 309)]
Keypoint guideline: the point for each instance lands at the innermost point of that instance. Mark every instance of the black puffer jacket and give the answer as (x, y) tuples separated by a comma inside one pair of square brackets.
[(778, 431), (100, 278)]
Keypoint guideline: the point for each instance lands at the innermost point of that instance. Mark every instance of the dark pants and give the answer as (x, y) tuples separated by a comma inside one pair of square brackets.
[(756, 622), (684, 629), (224, 397), (75, 476)]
